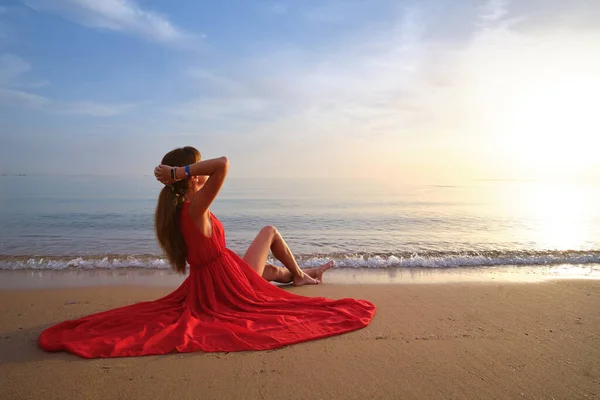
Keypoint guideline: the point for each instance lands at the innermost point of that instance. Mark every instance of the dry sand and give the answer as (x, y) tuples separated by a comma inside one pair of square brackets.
[(456, 341)]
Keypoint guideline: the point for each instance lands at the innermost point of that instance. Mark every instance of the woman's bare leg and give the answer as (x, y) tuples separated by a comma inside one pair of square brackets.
[(267, 239), (318, 272), (283, 275)]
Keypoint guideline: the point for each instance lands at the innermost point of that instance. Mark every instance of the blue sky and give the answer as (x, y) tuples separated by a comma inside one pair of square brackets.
[(401, 90)]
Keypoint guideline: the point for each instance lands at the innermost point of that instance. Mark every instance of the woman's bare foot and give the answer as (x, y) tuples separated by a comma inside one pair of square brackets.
[(318, 274), (305, 279)]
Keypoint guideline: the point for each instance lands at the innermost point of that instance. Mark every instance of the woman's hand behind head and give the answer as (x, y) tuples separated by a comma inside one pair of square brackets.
[(163, 174)]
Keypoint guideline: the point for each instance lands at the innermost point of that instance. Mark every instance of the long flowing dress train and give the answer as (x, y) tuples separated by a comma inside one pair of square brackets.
[(223, 305)]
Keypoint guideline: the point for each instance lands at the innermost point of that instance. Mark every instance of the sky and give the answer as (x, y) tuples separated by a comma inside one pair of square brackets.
[(431, 91)]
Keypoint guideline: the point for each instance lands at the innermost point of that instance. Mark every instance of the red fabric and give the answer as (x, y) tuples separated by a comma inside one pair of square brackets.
[(223, 305)]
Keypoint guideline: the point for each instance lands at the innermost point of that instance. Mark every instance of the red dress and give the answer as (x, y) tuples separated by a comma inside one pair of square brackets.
[(223, 305)]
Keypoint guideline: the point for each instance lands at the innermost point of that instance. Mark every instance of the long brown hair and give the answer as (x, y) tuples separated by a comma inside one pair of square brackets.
[(170, 200)]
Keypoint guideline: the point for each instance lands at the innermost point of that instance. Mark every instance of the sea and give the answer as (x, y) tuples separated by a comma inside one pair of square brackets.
[(106, 223)]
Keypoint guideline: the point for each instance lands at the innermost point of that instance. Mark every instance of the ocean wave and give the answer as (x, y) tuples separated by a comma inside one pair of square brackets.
[(357, 260), (455, 259), (82, 262)]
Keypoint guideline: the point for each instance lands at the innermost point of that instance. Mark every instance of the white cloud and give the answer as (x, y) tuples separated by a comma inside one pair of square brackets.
[(213, 80), (94, 109), (364, 79), (400, 93), (320, 12), (11, 98), (19, 99), (11, 68), (383, 96), (494, 10), (12, 71), (331, 11), (117, 15)]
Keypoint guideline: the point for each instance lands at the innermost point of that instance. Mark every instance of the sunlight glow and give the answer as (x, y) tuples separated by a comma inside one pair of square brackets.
[(540, 108), (550, 127), (559, 216)]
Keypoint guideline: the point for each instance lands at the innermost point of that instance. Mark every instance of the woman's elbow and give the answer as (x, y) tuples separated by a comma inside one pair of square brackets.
[(224, 163)]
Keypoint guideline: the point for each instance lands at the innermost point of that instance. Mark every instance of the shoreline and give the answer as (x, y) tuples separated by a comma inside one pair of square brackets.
[(73, 278), (456, 340)]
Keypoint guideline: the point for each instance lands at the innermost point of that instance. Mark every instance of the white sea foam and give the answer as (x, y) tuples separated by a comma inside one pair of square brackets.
[(451, 260), (60, 263), (401, 260)]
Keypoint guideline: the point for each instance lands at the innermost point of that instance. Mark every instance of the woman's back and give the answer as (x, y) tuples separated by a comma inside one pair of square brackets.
[(201, 250)]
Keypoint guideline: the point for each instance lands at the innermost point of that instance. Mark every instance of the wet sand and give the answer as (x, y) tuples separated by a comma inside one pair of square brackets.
[(458, 340), (74, 277)]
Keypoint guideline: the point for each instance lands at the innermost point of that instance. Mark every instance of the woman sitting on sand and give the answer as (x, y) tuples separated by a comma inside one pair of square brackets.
[(194, 194), (226, 303)]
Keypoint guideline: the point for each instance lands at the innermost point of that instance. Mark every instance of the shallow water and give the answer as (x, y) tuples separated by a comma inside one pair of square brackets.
[(45, 279), (88, 222)]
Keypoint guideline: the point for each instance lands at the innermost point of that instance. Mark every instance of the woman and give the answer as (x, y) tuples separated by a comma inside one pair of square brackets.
[(226, 303), (193, 195)]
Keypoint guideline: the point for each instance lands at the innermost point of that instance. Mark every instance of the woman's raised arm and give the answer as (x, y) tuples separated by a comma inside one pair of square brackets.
[(216, 170)]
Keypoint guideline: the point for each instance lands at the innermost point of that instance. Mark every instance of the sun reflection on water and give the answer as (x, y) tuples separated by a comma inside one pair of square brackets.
[(560, 216)]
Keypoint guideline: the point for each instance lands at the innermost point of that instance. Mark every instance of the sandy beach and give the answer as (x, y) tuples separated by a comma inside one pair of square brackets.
[(454, 340)]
